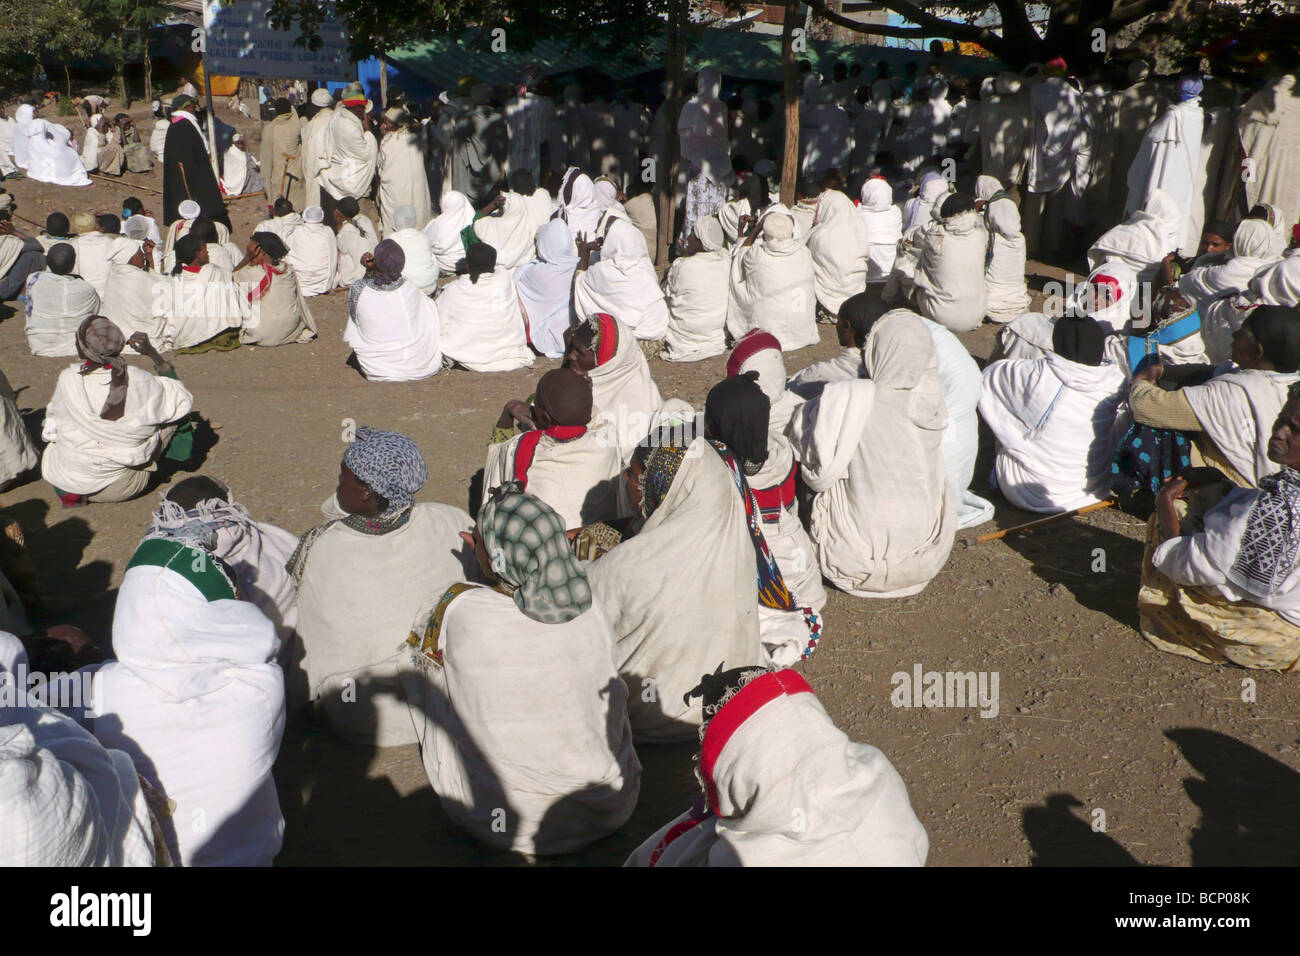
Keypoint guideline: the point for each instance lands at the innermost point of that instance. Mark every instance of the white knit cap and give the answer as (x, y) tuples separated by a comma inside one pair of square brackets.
[(321, 97), (189, 209), (313, 214)]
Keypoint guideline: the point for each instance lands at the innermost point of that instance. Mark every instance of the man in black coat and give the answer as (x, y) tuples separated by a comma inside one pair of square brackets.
[(187, 173)]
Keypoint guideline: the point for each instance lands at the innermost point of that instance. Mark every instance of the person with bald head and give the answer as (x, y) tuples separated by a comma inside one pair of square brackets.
[(58, 301), (402, 178), (562, 457)]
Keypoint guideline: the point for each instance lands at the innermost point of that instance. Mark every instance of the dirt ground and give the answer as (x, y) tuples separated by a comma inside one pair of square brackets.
[(1103, 750)]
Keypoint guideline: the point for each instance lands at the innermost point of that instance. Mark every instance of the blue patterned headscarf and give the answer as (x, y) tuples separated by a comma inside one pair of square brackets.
[(530, 552), (390, 463)]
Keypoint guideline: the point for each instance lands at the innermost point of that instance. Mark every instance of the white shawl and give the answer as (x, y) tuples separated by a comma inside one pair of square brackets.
[(884, 224), (1058, 110), (355, 239), (1144, 239), (131, 301), (314, 255), (682, 596), (482, 327), (420, 267), (696, 292), (394, 333), (511, 233), (198, 306), (950, 287), (580, 210), (1169, 159), (623, 283), (773, 287), (402, 178), (1237, 412), (883, 514), (56, 307), (838, 244), (545, 288), (351, 157), (1004, 277), (444, 231), (622, 388)]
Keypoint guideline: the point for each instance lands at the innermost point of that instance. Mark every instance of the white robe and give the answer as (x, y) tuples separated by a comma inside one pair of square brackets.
[(624, 284), (445, 243), (85, 453), (313, 253), (884, 224), (196, 699), (51, 157), (788, 754), (198, 306), (420, 267), (695, 547), (1268, 126), (623, 390), (402, 179), (524, 717), (356, 238), (135, 301), (280, 315), (950, 285), (394, 333), (1170, 159), (18, 452), (773, 288), (357, 598), (1144, 239), (96, 254), (282, 226), (1056, 129), (1041, 411), (545, 288), (1004, 276), (7, 165), (696, 292), (1237, 411), (315, 152), (482, 327), (838, 244), (883, 516), (350, 158), (56, 307), (511, 233)]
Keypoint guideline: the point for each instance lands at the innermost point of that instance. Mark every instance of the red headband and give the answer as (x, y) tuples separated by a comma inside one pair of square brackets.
[(750, 344), (1111, 283), (608, 338)]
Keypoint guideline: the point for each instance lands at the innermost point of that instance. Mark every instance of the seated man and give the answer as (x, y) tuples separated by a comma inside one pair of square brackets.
[(136, 297), (697, 293), (202, 305), (222, 253), (482, 327), (195, 698), (514, 693), (622, 283), (277, 312), (392, 326), (770, 747), (1220, 583), (772, 282), (20, 256), (1056, 420), (839, 245), (98, 250), (356, 237), (57, 229), (313, 253), (107, 425), (58, 301), (564, 461), (363, 575), (283, 223)]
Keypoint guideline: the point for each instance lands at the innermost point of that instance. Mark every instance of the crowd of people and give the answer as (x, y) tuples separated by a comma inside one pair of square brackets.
[(528, 648)]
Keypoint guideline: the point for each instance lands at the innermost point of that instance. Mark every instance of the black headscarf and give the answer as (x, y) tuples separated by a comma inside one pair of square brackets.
[(1079, 339), (736, 414)]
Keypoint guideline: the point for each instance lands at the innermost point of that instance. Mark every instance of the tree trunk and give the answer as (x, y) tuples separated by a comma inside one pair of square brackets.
[(383, 84), (67, 76), (148, 72), (790, 74), (666, 171)]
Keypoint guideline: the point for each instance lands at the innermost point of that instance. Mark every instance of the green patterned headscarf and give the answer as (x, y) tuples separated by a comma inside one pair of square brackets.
[(530, 552)]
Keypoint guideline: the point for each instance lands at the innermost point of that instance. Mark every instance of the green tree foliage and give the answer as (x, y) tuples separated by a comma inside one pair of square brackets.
[(36, 32)]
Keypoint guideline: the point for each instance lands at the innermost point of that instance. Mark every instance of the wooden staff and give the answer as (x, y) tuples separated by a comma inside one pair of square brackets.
[(123, 184), (995, 535)]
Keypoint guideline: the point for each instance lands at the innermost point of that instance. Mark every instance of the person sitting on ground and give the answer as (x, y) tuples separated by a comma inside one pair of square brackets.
[(949, 281), (696, 290), (1211, 288), (57, 229), (773, 285), (622, 390), (545, 288), (98, 250), (767, 745), (564, 459), (223, 254), (19, 453), (133, 208), (189, 211), (538, 201), (1042, 410), (283, 221), (445, 231), (883, 514), (277, 312), (195, 697), (1144, 239), (392, 326), (363, 575), (1220, 583), (58, 301), (132, 297), (203, 311), (1004, 276), (884, 224), (513, 692), (356, 237), (839, 246), (420, 267), (622, 282), (482, 327), (507, 227), (313, 253), (107, 425)]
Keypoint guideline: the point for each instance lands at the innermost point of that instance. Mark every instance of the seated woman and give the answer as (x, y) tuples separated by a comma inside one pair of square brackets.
[(773, 287), (857, 315), (545, 289), (838, 244), (362, 576), (507, 227), (515, 699), (132, 301), (1004, 276), (1220, 582), (564, 459), (884, 223), (196, 699), (445, 230), (755, 196), (1144, 239), (1056, 420), (222, 253), (277, 312), (420, 267), (1224, 422), (392, 326), (931, 191), (737, 414), (283, 222), (58, 301), (201, 304), (107, 425), (696, 291), (622, 283), (883, 515), (314, 252), (624, 395), (768, 747), (1210, 288), (949, 280), (695, 545), (356, 238), (482, 327), (18, 451)]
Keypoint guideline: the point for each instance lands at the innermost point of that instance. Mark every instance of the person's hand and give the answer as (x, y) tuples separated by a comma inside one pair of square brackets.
[(140, 342), (1150, 374), (70, 635), (516, 411), (1173, 489), (253, 248), (6, 227), (367, 260), (745, 222), (147, 247), (585, 245)]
